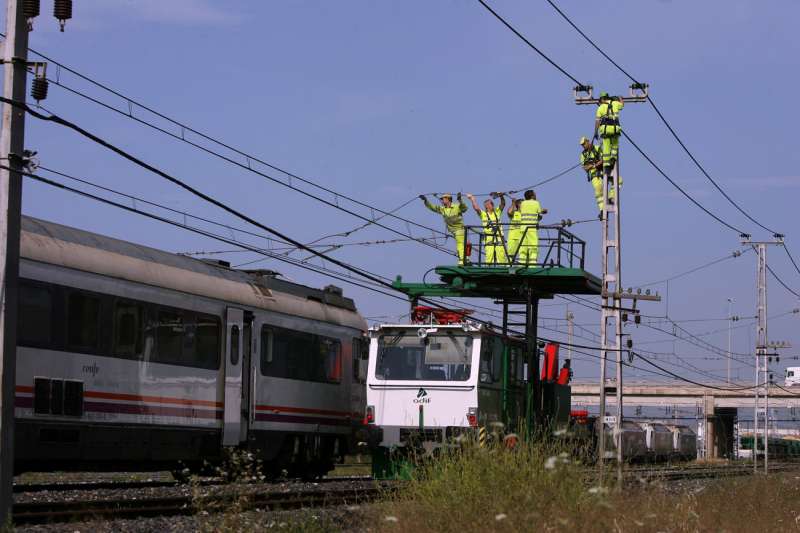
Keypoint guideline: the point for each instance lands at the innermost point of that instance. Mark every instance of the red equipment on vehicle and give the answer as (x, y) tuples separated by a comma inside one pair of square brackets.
[(565, 375), (423, 314), (550, 364)]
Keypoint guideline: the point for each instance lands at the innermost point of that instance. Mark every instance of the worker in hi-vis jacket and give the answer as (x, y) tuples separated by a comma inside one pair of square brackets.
[(453, 216), (530, 211), (494, 248)]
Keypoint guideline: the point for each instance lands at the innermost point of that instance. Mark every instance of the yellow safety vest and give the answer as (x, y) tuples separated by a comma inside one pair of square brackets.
[(530, 211), (491, 223), (516, 221)]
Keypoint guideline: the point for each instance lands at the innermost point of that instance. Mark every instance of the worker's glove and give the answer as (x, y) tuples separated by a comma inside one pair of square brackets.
[(422, 197), (458, 197)]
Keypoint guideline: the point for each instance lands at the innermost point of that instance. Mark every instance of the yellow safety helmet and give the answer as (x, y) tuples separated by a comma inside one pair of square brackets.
[(446, 195), (583, 140)]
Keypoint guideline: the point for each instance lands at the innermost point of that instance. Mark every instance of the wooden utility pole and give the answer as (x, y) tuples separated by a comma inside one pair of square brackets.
[(12, 144)]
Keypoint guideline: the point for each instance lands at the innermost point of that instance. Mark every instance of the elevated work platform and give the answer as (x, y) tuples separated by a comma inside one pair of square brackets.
[(494, 269), (507, 283)]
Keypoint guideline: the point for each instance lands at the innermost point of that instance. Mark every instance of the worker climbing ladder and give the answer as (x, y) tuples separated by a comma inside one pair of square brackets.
[(613, 314)]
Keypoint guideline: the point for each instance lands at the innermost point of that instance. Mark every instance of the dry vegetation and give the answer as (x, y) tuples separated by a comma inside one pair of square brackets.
[(537, 489)]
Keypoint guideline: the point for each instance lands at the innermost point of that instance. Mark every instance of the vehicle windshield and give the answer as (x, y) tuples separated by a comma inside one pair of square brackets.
[(441, 356)]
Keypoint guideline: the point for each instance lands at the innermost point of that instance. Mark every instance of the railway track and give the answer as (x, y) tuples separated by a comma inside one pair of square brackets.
[(688, 472), (71, 511)]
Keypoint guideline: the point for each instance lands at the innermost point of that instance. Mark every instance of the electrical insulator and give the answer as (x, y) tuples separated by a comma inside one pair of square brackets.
[(629, 343), (637, 319), (62, 10), (624, 317), (39, 88), (30, 8)]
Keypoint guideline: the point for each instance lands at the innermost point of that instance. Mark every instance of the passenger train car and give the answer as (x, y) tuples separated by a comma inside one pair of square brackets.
[(131, 356)]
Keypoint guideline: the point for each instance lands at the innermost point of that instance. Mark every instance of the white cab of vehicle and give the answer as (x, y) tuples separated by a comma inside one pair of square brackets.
[(792, 377), (422, 377)]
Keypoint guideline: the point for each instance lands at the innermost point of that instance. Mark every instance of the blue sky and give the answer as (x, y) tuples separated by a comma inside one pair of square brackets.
[(386, 100)]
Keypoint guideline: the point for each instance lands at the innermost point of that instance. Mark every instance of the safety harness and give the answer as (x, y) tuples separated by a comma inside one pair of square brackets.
[(591, 156), (610, 118)]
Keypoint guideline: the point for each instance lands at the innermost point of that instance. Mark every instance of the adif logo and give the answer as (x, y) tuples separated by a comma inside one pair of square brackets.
[(422, 396)]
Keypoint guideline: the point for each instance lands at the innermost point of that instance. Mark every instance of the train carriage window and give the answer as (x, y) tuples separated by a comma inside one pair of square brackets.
[(127, 329), (83, 321), (169, 337), (332, 350), (35, 327), (234, 345), (298, 355), (207, 345)]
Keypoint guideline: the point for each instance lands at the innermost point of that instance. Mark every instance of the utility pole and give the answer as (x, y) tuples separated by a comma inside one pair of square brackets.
[(570, 332), (730, 329), (762, 344), (612, 293), (12, 144)]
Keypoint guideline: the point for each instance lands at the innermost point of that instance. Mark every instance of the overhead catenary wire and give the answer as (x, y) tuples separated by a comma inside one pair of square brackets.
[(201, 231), (577, 348), (591, 347), (733, 255), (663, 119), (249, 159), (575, 80)]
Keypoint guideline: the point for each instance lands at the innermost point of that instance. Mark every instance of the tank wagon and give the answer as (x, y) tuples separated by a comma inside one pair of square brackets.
[(430, 385), (130, 357)]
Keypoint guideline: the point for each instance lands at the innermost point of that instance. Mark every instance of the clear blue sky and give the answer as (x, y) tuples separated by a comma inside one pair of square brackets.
[(387, 100)]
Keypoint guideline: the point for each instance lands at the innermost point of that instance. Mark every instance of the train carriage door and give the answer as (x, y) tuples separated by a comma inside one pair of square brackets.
[(233, 378), (248, 404)]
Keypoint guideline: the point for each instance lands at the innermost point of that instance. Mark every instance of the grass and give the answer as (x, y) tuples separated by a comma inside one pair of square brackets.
[(538, 488)]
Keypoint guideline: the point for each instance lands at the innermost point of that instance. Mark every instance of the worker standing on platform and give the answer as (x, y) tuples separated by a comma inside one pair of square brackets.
[(592, 163), (606, 125), (514, 229), (453, 219), (531, 211), (493, 241)]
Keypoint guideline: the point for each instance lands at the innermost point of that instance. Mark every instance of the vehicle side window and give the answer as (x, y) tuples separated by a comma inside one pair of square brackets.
[(360, 356), (169, 337), (83, 321), (185, 338), (127, 329), (497, 361), (207, 341), (35, 323), (298, 355), (234, 345), (487, 366)]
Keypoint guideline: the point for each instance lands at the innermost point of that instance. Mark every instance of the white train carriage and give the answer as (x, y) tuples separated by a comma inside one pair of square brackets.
[(130, 356)]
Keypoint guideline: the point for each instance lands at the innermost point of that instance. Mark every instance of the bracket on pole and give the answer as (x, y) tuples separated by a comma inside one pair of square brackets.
[(583, 94), (638, 92)]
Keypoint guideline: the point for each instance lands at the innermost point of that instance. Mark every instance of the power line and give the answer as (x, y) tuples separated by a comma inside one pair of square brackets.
[(577, 348), (248, 247), (530, 44), (663, 119), (687, 195), (733, 255), (184, 128), (649, 160)]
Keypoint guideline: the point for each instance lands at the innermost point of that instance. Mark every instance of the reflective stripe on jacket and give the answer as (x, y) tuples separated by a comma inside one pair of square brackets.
[(530, 211)]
